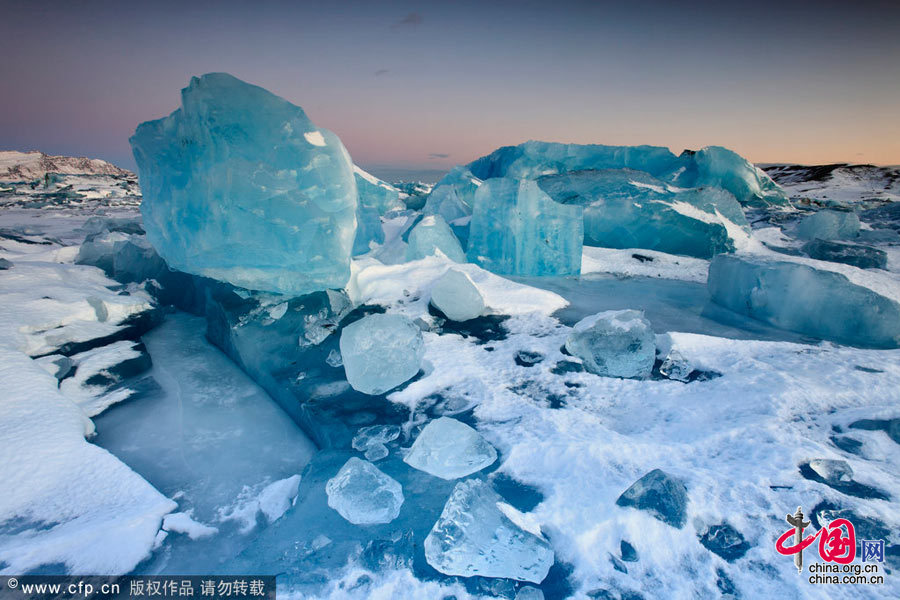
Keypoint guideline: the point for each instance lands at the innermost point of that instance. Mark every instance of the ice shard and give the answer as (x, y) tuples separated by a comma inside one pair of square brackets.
[(239, 185), (364, 495), (432, 234), (476, 536), (450, 449)]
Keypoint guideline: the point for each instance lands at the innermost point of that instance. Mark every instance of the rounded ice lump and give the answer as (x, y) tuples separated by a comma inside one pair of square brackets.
[(380, 352), (478, 534), (456, 295), (239, 185), (616, 343), (450, 449), (364, 495)]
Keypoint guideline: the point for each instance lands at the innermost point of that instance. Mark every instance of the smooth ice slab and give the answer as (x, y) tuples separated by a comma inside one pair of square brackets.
[(380, 352), (431, 235), (364, 495), (617, 343), (800, 297), (457, 296), (624, 208), (239, 185), (477, 534), (449, 449), (829, 225), (376, 198), (517, 229)]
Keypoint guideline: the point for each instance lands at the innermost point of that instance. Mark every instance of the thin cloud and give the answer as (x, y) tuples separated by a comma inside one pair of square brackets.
[(413, 19), (434, 155), (381, 72)]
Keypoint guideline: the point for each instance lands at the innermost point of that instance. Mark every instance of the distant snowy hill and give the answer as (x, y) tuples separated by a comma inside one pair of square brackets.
[(839, 183), (25, 166)]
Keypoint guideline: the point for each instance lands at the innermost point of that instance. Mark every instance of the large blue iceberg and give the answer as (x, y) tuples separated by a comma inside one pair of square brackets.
[(710, 167), (239, 185), (517, 229), (624, 208)]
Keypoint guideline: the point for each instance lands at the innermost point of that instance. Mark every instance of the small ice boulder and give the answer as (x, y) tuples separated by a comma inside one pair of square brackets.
[(829, 225), (529, 593), (661, 495), (457, 296), (478, 534), (864, 257), (380, 352), (373, 440), (517, 229), (431, 235), (676, 366), (724, 540), (814, 301), (449, 449), (364, 495), (616, 343), (240, 186), (832, 470)]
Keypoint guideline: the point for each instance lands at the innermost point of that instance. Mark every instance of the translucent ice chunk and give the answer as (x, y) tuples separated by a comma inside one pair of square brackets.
[(430, 234), (661, 495), (799, 297), (364, 495), (617, 343), (832, 470), (449, 449), (473, 536), (457, 296), (376, 198), (517, 229), (375, 434), (380, 352), (239, 185), (829, 225)]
